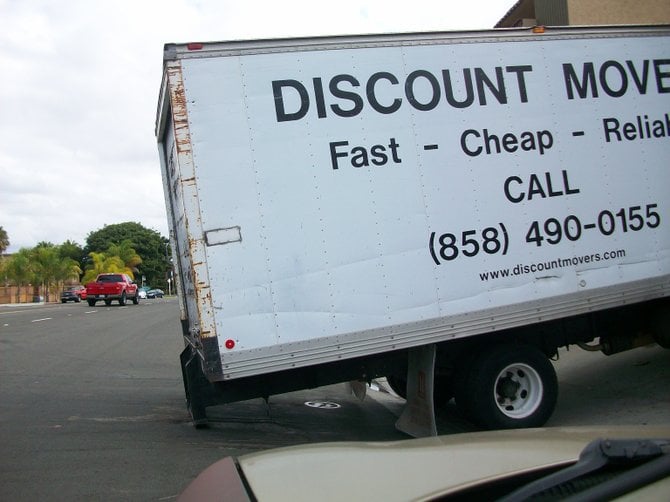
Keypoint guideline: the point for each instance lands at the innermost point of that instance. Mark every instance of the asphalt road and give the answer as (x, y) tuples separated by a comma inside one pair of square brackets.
[(92, 404)]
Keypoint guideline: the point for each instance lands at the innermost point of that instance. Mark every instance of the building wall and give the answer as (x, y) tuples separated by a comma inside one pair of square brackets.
[(589, 12), (555, 12), (586, 12), (12, 294)]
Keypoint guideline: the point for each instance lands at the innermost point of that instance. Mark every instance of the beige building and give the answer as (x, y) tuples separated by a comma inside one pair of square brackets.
[(586, 12)]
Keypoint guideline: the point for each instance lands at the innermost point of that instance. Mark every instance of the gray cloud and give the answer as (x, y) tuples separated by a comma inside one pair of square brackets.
[(80, 85)]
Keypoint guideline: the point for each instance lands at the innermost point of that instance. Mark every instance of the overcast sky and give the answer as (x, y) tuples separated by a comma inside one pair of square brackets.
[(79, 87)]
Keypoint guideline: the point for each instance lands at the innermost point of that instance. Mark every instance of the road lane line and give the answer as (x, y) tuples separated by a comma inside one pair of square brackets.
[(40, 320)]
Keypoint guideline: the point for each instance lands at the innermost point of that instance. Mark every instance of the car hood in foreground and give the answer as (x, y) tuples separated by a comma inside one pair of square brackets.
[(412, 469)]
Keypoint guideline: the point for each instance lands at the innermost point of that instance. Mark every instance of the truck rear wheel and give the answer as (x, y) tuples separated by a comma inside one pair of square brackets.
[(91, 303), (507, 387), (136, 298), (122, 300)]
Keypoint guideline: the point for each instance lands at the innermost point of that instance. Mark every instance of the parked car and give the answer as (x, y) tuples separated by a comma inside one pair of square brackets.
[(73, 293), (142, 292), (155, 293)]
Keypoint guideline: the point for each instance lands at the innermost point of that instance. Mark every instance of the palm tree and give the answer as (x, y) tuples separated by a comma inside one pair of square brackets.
[(127, 253), (19, 270), (45, 259), (52, 269), (119, 259), (67, 269), (102, 263)]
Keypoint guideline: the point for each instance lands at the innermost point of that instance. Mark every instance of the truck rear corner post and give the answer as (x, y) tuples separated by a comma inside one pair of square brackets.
[(443, 209)]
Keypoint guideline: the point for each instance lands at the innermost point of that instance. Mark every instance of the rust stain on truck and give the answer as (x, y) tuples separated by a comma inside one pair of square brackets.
[(179, 110)]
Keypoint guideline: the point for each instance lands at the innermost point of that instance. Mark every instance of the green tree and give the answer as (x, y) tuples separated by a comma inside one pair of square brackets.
[(19, 271), (51, 269), (70, 249), (102, 263), (41, 266), (128, 255), (119, 258), (43, 263), (147, 243), (4, 240), (4, 244)]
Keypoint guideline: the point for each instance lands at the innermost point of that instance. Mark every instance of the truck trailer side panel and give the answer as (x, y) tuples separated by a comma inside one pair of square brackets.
[(335, 198)]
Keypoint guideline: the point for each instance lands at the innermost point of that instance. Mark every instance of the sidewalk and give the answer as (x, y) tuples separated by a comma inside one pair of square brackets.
[(31, 304)]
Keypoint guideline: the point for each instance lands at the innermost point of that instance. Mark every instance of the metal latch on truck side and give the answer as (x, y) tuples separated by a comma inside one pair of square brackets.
[(221, 236)]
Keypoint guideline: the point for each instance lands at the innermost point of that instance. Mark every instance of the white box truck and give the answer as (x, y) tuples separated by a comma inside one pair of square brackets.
[(443, 209)]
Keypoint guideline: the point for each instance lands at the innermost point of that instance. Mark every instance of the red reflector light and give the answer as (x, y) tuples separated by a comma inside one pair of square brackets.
[(230, 344), (194, 46)]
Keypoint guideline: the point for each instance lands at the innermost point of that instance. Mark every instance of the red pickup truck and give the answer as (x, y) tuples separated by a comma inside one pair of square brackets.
[(108, 287)]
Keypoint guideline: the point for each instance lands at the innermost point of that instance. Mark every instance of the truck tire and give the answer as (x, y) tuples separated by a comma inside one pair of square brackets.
[(136, 298), (508, 387), (122, 300), (108, 302), (91, 303)]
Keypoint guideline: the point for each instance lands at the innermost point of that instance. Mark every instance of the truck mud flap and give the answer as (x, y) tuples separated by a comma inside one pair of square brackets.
[(199, 391), (418, 416)]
